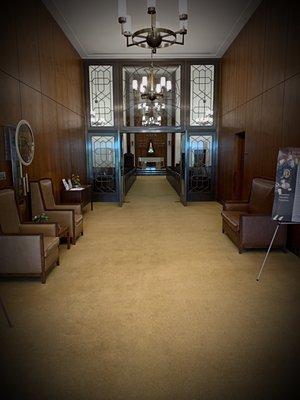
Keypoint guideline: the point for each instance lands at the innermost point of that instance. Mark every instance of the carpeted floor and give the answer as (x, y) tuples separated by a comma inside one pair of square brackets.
[(153, 303)]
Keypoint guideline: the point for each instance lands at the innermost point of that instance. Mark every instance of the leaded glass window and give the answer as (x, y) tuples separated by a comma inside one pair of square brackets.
[(202, 95), (101, 95), (141, 111)]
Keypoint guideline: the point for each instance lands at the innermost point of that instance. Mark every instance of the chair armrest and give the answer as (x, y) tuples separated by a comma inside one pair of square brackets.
[(62, 217), (75, 207), (45, 229), (236, 206), (21, 253), (259, 228)]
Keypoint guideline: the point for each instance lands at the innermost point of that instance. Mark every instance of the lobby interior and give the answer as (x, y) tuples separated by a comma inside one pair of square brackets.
[(136, 200)]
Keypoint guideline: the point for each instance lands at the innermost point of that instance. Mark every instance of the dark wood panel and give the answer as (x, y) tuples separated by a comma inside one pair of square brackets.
[(291, 114), (228, 77), (28, 49), (46, 52), (10, 114), (226, 150), (256, 37), (10, 110), (8, 41), (240, 119), (292, 65), (242, 55), (271, 129), (275, 43), (61, 66), (253, 144)]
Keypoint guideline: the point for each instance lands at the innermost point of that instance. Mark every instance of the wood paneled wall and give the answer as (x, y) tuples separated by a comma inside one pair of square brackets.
[(41, 80), (259, 95)]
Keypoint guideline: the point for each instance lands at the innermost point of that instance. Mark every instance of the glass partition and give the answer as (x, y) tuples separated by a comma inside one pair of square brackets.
[(101, 95), (139, 109), (202, 95)]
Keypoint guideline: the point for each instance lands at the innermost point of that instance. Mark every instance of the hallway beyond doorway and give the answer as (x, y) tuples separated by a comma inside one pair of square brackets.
[(152, 191)]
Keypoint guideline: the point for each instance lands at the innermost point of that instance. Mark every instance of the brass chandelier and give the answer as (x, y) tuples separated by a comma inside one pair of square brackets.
[(153, 37), (149, 88)]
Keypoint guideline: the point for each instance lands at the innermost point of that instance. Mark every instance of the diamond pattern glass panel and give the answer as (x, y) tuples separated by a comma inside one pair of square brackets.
[(202, 95), (200, 164), (101, 95), (164, 111), (104, 168)]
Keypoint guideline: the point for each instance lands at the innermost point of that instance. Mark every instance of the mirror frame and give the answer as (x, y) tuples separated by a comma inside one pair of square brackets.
[(20, 123)]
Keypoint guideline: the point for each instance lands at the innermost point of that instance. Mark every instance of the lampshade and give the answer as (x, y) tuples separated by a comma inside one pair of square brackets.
[(162, 81), (127, 26), (142, 88), (182, 7), (169, 86), (135, 84), (144, 81), (151, 3), (122, 9)]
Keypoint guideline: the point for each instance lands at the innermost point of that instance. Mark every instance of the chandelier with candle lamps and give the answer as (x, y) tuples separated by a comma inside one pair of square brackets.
[(153, 37), (151, 88)]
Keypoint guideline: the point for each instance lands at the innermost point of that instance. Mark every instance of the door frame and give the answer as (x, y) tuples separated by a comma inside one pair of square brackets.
[(209, 196), (117, 196)]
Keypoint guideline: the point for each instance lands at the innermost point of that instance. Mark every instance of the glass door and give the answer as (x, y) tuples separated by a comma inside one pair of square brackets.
[(104, 166), (200, 166)]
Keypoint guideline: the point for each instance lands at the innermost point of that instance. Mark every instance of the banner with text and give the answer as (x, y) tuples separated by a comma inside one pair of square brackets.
[(286, 207)]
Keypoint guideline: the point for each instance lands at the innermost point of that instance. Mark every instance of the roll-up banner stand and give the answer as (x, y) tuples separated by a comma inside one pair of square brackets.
[(286, 206)]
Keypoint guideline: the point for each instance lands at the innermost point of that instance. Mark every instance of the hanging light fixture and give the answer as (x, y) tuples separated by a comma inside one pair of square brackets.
[(154, 37), (150, 88)]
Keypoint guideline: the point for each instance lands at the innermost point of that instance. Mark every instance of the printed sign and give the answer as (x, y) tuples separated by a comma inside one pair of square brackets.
[(286, 207)]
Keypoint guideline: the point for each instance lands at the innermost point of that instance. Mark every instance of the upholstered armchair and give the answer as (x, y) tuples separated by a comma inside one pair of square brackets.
[(42, 201), (249, 224), (26, 249)]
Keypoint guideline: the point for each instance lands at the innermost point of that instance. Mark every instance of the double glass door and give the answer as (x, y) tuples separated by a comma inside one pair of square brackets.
[(197, 172)]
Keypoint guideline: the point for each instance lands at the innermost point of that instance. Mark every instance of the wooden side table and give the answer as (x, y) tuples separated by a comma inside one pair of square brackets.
[(82, 195), (64, 233)]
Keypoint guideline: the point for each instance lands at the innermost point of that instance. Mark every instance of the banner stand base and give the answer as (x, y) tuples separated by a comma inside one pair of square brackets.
[(270, 246)]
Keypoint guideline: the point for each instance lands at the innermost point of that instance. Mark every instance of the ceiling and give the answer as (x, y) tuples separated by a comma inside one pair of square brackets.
[(93, 28)]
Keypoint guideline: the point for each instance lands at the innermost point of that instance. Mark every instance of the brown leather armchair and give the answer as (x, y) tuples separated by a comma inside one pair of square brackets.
[(26, 249), (42, 201), (249, 224)]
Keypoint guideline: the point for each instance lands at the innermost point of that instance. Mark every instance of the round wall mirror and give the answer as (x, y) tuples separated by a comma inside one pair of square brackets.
[(24, 142)]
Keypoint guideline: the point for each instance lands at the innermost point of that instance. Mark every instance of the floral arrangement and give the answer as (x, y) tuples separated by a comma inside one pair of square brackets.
[(75, 180), (40, 219)]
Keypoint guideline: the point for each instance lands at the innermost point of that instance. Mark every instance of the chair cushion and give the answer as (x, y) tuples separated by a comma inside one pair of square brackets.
[(9, 217), (262, 195), (233, 219), (78, 219), (50, 242)]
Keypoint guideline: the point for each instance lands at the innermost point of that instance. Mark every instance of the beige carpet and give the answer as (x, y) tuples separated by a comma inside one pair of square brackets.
[(153, 302)]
